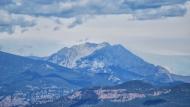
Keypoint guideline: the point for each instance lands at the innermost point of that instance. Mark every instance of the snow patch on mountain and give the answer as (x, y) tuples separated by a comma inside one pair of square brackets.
[(119, 62), (67, 57), (115, 61), (114, 79)]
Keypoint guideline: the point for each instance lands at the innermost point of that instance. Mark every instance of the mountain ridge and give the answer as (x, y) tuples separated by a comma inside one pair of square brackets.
[(99, 65), (68, 56), (109, 57), (25, 80)]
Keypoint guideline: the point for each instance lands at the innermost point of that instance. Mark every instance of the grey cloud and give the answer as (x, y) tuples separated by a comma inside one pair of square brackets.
[(79, 20), (140, 9), (9, 21), (162, 12)]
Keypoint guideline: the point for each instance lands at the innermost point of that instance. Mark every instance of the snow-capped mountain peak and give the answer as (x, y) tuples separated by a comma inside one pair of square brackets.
[(115, 61), (67, 57)]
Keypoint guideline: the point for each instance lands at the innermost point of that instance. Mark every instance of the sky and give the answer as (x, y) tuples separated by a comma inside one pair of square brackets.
[(146, 27)]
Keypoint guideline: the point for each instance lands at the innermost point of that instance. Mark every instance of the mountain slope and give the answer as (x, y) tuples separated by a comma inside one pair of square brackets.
[(122, 65), (139, 95), (67, 57), (111, 64), (35, 80), (28, 80)]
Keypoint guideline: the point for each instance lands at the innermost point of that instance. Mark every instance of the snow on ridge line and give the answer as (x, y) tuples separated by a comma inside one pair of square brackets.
[(67, 57)]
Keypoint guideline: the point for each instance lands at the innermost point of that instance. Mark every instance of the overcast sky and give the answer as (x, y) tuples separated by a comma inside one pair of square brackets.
[(41, 27)]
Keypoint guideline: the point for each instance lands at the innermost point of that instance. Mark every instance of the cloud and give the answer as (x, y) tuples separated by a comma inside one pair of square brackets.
[(9, 21), (79, 9), (162, 12), (79, 20)]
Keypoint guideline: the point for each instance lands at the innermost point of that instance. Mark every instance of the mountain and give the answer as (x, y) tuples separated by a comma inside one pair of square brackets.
[(122, 65), (37, 80), (67, 57), (109, 63), (26, 81), (132, 94)]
